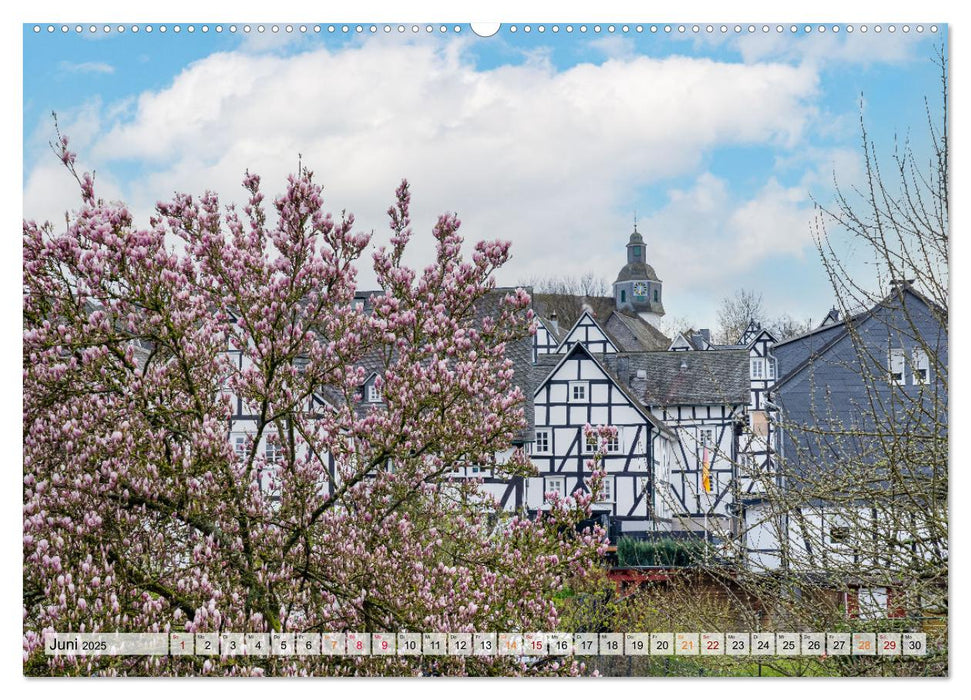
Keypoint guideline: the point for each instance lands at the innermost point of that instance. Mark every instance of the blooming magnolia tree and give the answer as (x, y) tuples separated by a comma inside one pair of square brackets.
[(140, 515)]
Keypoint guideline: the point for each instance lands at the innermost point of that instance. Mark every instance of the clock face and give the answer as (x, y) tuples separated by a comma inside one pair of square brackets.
[(640, 289)]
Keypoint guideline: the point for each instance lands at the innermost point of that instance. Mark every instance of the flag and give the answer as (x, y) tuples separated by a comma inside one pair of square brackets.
[(705, 472)]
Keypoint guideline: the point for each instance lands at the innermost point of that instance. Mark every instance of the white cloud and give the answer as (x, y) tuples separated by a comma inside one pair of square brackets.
[(826, 48), (551, 160), (858, 48), (705, 238), (86, 67)]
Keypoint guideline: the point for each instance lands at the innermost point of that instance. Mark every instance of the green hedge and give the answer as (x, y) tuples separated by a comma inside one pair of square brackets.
[(666, 552)]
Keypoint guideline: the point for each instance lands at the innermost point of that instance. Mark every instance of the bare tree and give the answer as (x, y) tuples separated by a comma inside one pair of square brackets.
[(858, 504), (786, 326), (848, 531), (735, 313), (566, 297)]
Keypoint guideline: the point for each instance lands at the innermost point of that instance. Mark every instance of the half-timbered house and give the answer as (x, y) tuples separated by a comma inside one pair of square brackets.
[(576, 389)]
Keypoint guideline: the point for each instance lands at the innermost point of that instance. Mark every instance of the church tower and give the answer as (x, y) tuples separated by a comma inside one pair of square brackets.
[(637, 287)]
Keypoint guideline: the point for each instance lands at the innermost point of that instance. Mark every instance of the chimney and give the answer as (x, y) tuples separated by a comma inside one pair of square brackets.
[(623, 369), (554, 322), (706, 334)]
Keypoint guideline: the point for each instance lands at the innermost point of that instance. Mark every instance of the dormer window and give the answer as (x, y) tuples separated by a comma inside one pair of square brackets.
[(373, 393)]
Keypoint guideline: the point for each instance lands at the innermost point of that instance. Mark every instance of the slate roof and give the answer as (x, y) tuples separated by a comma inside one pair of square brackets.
[(696, 340), (554, 329), (636, 271), (671, 378), (647, 337), (547, 363), (569, 307)]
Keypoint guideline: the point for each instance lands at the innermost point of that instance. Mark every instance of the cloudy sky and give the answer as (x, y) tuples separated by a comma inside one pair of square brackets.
[(718, 141)]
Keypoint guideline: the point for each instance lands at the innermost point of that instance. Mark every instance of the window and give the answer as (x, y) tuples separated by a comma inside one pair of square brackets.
[(896, 365), (274, 450), (613, 443), (542, 444), (239, 446), (655, 294), (706, 437), (590, 442), (839, 535), (770, 369), (579, 391), (744, 464), (606, 490), (623, 295), (637, 251), (554, 484), (758, 368), (373, 393), (872, 603), (921, 366)]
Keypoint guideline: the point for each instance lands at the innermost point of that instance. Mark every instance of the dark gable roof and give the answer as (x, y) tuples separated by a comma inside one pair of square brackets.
[(547, 364), (554, 329), (713, 377), (646, 336), (803, 357), (569, 307)]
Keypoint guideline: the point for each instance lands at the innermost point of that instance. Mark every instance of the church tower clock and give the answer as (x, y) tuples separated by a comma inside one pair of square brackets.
[(637, 287)]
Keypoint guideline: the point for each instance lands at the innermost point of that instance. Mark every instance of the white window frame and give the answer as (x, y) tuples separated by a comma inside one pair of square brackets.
[(373, 393), (757, 368), (616, 444), (590, 443), (571, 392), (548, 486), (239, 446), (273, 451), (607, 490), (769, 368), (896, 359), (921, 365), (548, 439)]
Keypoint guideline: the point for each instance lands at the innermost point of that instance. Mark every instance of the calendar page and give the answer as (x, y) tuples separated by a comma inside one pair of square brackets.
[(428, 348)]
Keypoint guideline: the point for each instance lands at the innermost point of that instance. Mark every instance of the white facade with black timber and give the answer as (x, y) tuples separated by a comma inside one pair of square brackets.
[(757, 462), (588, 332), (545, 341), (579, 391), (705, 432)]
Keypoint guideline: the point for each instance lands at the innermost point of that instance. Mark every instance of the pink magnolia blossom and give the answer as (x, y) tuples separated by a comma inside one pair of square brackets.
[(141, 514)]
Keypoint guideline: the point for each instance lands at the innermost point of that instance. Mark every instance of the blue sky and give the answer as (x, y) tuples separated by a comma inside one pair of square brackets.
[(719, 141)]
